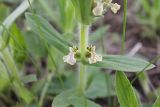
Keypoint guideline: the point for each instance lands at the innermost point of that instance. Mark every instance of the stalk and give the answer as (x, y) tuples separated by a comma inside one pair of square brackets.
[(124, 27), (82, 68), (45, 89)]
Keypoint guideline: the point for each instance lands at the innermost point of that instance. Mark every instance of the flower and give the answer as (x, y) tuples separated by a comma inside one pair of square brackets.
[(102, 5), (98, 10), (115, 7), (70, 58), (94, 57)]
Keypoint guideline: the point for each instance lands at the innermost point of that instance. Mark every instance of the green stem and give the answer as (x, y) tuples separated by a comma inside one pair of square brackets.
[(83, 44), (124, 27), (83, 39), (82, 78), (45, 89), (9, 61)]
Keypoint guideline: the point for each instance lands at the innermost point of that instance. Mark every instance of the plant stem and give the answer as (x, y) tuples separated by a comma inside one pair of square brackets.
[(124, 27), (82, 78), (9, 61), (83, 39), (44, 91), (83, 44)]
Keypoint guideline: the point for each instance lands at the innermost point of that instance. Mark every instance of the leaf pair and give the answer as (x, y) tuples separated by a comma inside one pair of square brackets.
[(117, 62)]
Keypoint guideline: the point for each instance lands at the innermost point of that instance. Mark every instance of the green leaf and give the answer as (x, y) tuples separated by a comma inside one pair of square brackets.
[(29, 78), (18, 44), (15, 14), (22, 92), (4, 10), (82, 102), (35, 45), (4, 77), (72, 98), (83, 9), (41, 27), (157, 103), (144, 81), (125, 92), (62, 100), (66, 11), (101, 85), (146, 5), (123, 63), (57, 86)]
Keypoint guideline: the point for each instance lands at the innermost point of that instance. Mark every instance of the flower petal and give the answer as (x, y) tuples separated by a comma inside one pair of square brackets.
[(94, 58), (70, 58)]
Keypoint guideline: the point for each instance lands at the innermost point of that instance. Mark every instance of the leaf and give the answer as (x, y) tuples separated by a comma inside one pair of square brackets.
[(83, 9), (22, 92), (18, 44), (41, 27), (157, 103), (101, 86), (82, 102), (4, 77), (62, 100), (125, 92), (66, 17), (146, 6), (146, 105), (4, 10), (67, 82), (72, 98), (15, 14), (123, 63), (35, 45), (144, 81), (29, 78)]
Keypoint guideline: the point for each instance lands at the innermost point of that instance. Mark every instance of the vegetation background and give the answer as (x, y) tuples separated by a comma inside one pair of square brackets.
[(32, 71)]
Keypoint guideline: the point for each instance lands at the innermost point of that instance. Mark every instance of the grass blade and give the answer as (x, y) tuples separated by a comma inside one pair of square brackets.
[(15, 14), (157, 103), (125, 92)]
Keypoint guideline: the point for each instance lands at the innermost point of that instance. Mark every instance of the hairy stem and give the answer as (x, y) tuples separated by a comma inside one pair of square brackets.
[(82, 45)]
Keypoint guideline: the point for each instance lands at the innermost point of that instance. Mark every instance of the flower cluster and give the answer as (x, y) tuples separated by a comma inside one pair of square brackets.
[(92, 56), (102, 5)]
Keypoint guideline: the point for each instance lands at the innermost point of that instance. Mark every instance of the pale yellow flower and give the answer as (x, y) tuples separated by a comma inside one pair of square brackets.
[(98, 10), (115, 7), (102, 5), (70, 58), (94, 58)]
